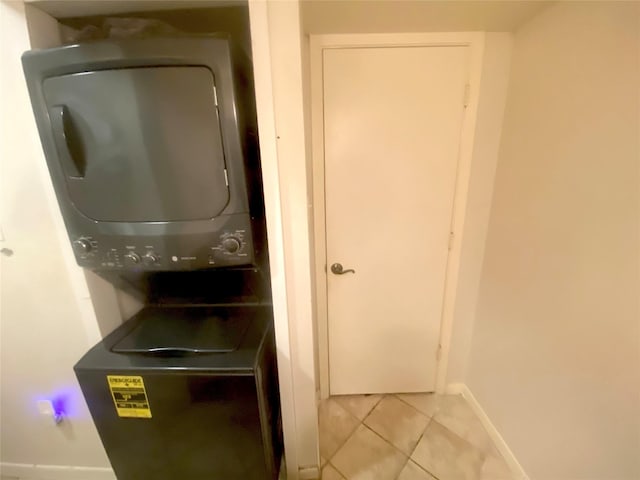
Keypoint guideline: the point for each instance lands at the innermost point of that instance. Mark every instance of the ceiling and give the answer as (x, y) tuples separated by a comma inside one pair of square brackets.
[(393, 16), (343, 16)]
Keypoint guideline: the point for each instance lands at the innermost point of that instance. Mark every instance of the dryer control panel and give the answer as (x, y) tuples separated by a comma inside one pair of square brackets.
[(231, 246)]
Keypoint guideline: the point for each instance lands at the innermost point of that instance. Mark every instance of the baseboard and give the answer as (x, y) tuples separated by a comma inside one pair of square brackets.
[(498, 441), (309, 473), (455, 389), (24, 471)]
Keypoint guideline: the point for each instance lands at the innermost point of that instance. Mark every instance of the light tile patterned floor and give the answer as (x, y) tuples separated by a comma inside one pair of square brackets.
[(414, 436)]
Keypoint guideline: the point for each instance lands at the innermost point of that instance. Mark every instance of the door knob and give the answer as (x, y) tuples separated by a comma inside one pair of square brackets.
[(337, 269)]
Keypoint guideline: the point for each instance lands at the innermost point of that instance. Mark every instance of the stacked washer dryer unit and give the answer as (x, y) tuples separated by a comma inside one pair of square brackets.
[(149, 146)]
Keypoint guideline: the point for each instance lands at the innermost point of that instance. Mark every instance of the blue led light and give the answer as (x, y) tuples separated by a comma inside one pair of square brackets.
[(59, 405), (67, 401)]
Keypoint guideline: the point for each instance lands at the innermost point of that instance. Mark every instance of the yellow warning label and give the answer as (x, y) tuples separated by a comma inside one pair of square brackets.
[(129, 396)]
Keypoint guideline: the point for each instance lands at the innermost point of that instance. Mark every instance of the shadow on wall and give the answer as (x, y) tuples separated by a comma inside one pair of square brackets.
[(555, 358)]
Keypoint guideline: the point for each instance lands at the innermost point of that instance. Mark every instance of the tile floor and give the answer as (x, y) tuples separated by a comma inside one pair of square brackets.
[(406, 437)]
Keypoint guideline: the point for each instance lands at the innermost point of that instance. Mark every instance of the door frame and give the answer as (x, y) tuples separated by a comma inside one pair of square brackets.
[(317, 44)]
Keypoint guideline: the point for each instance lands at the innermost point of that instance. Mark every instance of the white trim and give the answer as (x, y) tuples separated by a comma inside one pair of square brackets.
[(475, 42), (317, 154), (309, 473), (289, 115), (260, 44), (396, 39), (24, 471), (493, 432)]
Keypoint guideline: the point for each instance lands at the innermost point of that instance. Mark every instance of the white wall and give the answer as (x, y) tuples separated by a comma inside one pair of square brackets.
[(276, 42), (555, 355), (393, 16), (286, 64), (66, 315), (305, 59), (44, 321), (486, 141)]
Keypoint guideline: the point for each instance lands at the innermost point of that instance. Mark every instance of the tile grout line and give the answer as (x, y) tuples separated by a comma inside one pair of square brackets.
[(360, 422), (414, 449), (336, 469), (342, 444), (376, 433), (374, 407), (470, 444), (408, 457), (433, 417), (369, 428), (371, 409), (383, 439), (419, 411), (402, 469), (429, 419), (386, 440)]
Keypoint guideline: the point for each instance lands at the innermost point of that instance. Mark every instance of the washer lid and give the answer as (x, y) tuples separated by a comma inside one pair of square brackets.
[(175, 331)]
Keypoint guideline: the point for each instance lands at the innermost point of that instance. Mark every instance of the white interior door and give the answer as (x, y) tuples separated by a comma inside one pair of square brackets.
[(392, 123)]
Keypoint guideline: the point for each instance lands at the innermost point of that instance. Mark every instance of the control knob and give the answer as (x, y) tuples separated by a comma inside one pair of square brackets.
[(82, 245), (231, 244), (132, 258), (149, 259)]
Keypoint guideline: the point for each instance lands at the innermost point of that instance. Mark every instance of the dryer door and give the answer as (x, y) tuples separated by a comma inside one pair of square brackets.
[(140, 144)]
